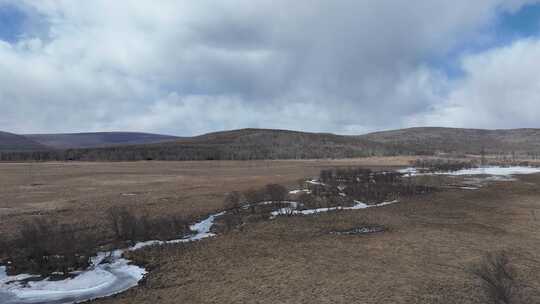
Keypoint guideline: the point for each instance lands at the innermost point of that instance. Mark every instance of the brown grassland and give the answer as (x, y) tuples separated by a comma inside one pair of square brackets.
[(422, 256), (83, 191)]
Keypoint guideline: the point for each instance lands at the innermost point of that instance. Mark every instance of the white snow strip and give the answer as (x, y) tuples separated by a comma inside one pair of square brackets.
[(358, 205), (315, 182), (494, 170), (201, 230), (300, 191), (500, 179), (504, 171), (469, 188), (409, 171)]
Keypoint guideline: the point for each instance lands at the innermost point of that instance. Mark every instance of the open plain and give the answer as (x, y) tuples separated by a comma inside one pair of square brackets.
[(84, 191), (423, 255)]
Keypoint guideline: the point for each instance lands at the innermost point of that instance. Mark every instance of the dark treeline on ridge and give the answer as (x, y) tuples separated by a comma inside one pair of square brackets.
[(249, 144), (189, 152), (254, 144)]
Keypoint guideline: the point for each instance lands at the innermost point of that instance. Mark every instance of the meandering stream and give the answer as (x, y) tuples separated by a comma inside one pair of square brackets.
[(111, 274)]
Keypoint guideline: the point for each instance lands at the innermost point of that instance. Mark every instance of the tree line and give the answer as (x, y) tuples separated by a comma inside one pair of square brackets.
[(198, 152)]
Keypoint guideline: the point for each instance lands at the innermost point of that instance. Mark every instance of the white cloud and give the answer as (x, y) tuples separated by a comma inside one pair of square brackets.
[(186, 67), (500, 89)]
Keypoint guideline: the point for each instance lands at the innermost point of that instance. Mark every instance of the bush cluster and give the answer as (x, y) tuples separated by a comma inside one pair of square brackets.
[(43, 247)]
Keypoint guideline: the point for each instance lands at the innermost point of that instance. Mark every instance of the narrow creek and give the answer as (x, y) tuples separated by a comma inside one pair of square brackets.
[(110, 273)]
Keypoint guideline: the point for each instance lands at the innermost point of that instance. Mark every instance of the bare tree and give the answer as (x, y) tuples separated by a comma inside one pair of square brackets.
[(276, 193), (498, 278), (254, 196), (232, 201)]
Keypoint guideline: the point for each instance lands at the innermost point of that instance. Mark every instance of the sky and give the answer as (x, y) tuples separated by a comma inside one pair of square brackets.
[(346, 66)]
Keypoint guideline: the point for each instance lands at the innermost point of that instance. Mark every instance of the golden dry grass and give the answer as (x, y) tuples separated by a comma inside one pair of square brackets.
[(83, 191), (422, 257)]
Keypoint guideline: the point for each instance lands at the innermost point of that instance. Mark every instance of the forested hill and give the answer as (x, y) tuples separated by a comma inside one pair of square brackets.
[(242, 144), (97, 139), (10, 142), (431, 140), (248, 144)]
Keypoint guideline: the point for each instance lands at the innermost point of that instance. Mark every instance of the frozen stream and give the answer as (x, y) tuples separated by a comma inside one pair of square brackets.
[(494, 171), (111, 274)]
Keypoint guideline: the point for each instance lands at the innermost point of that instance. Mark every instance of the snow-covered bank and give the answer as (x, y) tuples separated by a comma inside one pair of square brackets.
[(292, 210), (100, 281), (494, 170), (201, 229), (109, 274)]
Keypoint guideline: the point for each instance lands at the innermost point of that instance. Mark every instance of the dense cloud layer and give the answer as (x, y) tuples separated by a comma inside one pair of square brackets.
[(187, 67)]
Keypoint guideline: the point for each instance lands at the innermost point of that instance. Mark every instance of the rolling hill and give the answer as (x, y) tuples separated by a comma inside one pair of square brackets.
[(273, 144), (248, 144), (433, 139), (98, 139), (10, 142), (242, 144)]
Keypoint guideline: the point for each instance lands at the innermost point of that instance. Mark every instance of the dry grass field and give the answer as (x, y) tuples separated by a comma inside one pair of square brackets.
[(422, 256), (83, 191)]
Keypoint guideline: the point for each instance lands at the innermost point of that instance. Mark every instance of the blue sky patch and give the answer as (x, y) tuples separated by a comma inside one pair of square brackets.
[(507, 28), (524, 23), (12, 21)]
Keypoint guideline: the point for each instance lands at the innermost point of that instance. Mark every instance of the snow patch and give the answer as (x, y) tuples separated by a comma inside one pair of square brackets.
[(201, 231), (494, 170), (469, 188), (99, 281), (300, 191), (292, 210)]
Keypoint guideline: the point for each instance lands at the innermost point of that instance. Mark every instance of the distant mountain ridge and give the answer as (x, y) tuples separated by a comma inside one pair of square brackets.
[(10, 142), (436, 139), (246, 144), (97, 139)]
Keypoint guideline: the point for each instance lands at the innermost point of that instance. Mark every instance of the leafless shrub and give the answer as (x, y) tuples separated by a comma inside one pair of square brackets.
[(128, 227), (301, 183), (232, 221), (364, 185), (123, 223), (45, 247), (276, 193), (232, 201), (498, 278), (308, 201), (254, 196)]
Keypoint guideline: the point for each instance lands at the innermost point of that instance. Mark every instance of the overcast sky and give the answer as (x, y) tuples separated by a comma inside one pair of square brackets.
[(343, 66)]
